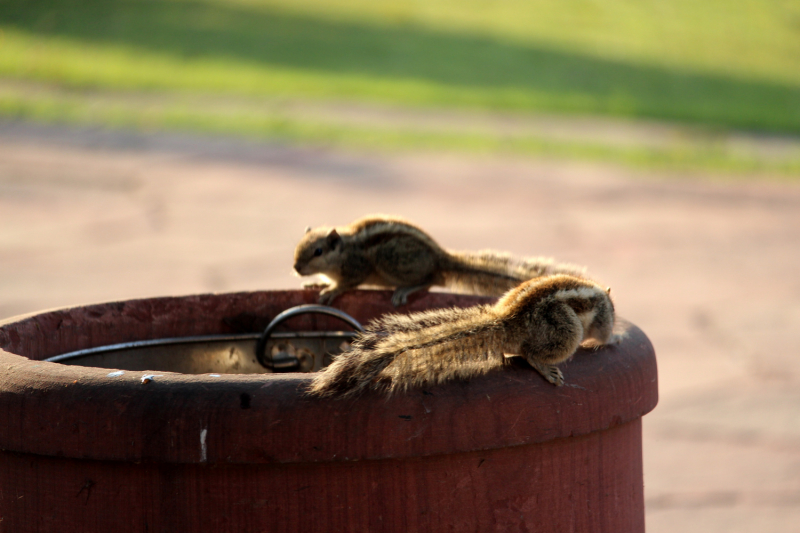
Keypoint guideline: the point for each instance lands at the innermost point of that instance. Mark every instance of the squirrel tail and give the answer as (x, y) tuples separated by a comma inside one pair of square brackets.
[(398, 352), (355, 370), (491, 273)]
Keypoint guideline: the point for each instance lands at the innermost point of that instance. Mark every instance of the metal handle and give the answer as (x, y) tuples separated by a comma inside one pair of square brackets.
[(291, 362)]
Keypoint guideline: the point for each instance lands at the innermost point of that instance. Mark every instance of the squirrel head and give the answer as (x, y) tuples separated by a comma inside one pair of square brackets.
[(318, 252)]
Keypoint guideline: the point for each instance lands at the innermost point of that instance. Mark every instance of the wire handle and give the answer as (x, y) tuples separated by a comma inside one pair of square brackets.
[(290, 362)]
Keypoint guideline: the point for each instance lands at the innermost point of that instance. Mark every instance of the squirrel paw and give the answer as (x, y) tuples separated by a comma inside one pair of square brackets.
[(315, 285), (550, 372), (554, 376), (399, 298), (327, 295), (617, 338)]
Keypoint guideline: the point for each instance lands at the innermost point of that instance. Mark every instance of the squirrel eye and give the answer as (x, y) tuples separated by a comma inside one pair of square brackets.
[(318, 252)]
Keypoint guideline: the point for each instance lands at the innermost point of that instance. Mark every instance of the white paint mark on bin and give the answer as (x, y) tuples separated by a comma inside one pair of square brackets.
[(203, 449)]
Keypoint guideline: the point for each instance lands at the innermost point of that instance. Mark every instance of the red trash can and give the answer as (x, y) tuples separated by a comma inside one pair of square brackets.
[(128, 448)]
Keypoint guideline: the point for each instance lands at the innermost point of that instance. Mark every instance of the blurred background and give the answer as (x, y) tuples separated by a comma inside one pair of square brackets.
[(167, 147)]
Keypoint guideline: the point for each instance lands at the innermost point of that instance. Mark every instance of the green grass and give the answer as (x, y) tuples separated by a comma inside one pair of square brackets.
[(727, 64), (246, 121)]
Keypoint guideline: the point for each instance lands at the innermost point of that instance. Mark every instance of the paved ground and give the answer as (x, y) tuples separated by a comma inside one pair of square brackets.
[(708, 269)]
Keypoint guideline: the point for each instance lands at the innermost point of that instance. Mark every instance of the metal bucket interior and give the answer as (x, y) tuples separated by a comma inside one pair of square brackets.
[(213, 354), (294, 351)]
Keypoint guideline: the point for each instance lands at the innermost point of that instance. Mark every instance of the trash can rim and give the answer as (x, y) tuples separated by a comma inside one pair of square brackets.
[(85, 412)]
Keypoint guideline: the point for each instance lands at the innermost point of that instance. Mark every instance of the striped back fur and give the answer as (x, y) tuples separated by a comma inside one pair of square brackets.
[(372, 230)]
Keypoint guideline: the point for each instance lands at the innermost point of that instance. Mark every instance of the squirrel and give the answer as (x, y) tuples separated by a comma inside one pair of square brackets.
[(389, 251), (544, 320)]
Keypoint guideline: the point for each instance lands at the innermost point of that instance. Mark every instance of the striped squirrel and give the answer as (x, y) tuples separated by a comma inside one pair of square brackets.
[(389, 251), (544, 320)]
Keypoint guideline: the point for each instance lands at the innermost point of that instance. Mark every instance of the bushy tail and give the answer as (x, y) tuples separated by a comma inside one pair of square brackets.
[(398, 352), (354, 370), (491, 273)]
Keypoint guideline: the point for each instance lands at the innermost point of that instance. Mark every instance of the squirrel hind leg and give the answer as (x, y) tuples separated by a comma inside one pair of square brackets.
[(556, 335), (545, 357), (401, 294), (550, 372)]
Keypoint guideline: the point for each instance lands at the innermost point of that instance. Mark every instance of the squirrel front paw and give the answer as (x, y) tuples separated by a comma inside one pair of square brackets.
[(327, 295), (313, 285)]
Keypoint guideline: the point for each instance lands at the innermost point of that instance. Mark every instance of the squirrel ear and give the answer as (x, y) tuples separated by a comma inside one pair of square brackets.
[(333, 238), (608, 290), (308, 228)]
